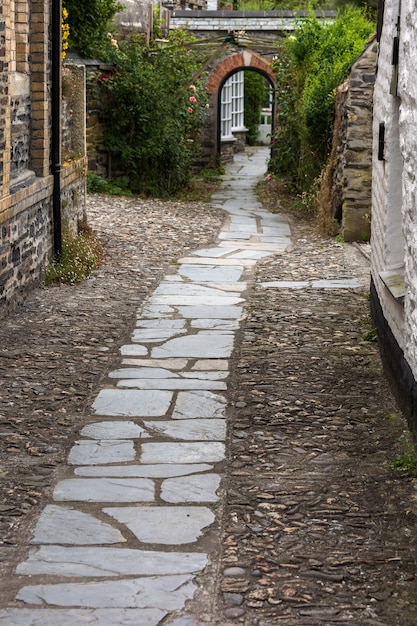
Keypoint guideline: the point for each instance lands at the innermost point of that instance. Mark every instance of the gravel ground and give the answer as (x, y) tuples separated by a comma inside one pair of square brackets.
[(317, 529)]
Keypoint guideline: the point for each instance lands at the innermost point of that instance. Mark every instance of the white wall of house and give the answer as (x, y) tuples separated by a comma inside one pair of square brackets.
[(394, 196), (388, 241), (407, 91)]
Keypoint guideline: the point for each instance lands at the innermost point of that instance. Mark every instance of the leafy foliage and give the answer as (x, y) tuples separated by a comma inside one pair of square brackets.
[(152, 116), (309, 67), (98, 184), (81, 254), (89, 23), (406, 461), (256, 93)]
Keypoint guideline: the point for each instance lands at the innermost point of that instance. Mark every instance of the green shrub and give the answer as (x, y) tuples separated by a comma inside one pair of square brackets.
[(406, 460), (81, 254), (152, 114), (89, 22), (98, 184), (309, 67), (256, 95)]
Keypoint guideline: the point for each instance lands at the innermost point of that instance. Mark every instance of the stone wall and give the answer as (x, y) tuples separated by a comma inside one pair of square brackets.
[(351, 159), (26, 183)]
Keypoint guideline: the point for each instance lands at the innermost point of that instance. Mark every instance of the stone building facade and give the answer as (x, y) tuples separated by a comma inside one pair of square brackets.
[(26, 183), (394, 199)]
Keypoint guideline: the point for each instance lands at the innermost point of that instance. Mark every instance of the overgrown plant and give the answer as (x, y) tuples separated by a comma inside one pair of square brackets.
[(153, 116), (309, 66), (89, 22), (256, 96), (81, 254), (406, 460)]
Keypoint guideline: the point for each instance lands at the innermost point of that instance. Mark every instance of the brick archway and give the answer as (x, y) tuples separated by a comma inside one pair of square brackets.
[(245, 59), (220, 72)]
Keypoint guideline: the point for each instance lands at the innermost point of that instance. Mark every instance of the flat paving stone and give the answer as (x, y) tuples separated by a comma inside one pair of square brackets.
[(63, 525), (164, 324), (132, 403), (208, 364), (201, 345), (344, 283), (199, 404), (209, 452), (210, 375), (244, 262), (154, 335), (168, 525), (88, 452), (190, 430), (235, 235), (106, 562), (169, 364), (133, 350), (252, 255), (285, 284), (163, 470), (84, 617), (104, 490), (143, 372), (183, 620), (215, 324), (160, 311), (171, 383), (216, 312), (162, 592), (190, 290), (200, 488), (211, 253), (215, 300), (211, 273), (114, 430)]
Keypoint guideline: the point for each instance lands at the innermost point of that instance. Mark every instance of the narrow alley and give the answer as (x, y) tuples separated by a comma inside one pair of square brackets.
[(222, 451)]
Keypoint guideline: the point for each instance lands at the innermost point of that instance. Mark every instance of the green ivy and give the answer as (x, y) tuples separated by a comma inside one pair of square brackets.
[(309, 66), (153, 116)]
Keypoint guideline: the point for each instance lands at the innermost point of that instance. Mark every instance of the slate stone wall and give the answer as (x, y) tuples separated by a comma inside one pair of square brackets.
[(352, 149)]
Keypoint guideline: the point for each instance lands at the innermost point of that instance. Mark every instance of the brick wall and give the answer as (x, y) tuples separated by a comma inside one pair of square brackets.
[(26, 185)]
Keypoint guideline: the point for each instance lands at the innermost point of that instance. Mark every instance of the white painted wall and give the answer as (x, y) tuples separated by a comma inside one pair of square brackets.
[(407, 89), (394, 189)]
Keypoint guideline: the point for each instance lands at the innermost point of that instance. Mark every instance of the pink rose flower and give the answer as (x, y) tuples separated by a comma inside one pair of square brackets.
[(192, 99), (190, 109)]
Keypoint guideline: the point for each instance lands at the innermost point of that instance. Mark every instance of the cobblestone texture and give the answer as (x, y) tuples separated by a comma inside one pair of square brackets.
[(316, 529)]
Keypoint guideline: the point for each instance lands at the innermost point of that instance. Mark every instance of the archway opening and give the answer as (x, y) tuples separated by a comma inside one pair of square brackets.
[(245, 108)]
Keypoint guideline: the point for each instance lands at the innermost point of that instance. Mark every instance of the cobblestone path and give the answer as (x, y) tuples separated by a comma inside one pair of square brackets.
[(231, 466)]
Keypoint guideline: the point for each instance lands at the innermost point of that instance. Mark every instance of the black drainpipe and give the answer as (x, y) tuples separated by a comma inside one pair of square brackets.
[(56, 35)]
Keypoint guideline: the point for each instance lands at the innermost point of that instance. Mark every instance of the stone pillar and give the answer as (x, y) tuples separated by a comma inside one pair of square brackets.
[(5, 53), (41, 88)]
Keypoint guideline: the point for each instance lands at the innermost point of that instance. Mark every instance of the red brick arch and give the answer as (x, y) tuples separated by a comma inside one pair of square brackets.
[(245, 59), (220, 72)]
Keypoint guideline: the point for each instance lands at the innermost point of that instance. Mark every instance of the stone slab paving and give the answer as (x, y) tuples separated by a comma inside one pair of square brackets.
[(131, 521), (141, 493)]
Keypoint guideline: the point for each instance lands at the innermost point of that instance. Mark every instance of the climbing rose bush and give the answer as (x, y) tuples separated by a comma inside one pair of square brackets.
[(153, 112)]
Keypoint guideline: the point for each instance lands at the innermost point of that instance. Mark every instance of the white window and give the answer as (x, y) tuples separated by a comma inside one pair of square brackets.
[(232, 105), (226, 109), (237, 101)]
